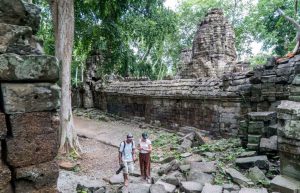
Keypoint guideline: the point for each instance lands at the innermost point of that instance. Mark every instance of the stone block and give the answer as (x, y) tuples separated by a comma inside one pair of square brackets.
[(200, 177), (253, 190), (290, 165), (37, 177), (290, 129), (5, 176), (296, 80), (29, 68), (30, 125), (3, 128), (262, 116), (191, 187), (285, 184), (208, 188), (268, 144), (248, 162), (255, 127), (35, 138), (238, 178), (289, 107), (21, 98), (168, 187), (254, 139), (206, 167), (251, 146)]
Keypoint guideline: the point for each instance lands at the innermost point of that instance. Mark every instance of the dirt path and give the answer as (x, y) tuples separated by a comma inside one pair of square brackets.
[(99, 141)]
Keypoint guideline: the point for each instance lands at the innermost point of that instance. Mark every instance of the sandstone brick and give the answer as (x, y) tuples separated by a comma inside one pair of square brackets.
[(5, 176), (3, 128), (28, 68), (37, 177), (35, 138), (20, 98)]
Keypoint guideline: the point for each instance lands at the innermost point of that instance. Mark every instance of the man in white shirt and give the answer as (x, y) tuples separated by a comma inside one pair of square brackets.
[(127, 156)]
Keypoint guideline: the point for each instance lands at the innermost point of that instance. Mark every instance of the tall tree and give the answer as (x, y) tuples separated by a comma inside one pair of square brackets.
[(63, 20)]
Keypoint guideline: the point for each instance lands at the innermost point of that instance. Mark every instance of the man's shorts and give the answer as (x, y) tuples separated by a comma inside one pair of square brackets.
[(129, 167)]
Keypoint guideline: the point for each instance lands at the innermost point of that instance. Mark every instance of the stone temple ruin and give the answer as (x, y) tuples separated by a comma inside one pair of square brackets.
[(29, 98), (216, 93)]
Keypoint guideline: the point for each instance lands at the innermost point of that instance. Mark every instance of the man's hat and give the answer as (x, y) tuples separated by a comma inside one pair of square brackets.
[(129, 136), (145, 135)]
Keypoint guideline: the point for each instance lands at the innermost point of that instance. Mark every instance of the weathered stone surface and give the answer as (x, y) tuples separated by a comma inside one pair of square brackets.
[(289, 164), (15, 67), (248, 154), (285, 184), (175, 178), (138, 188), (262, 116), (6, 189), (238, 178), (168, 187), (193, 158), (210, 55), (200, 177), (185, 168), (248, 162), (21, 98), (3, 128), (23, 152), (17, 12), (116, 179), (268, 144), (37, 177), (206, 167), (191, 187), (166, 168), (257, 176), (185, 145), (253, 190), (157, 188), (208, 188), (5, 176)]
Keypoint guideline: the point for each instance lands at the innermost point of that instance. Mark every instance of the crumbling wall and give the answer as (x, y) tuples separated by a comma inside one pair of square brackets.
[(29, 99)]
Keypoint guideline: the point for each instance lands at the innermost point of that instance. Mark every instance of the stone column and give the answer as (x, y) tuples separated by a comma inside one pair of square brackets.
[(29, 99)]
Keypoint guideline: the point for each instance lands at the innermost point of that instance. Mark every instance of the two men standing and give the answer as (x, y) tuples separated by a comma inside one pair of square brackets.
[(127, 156)]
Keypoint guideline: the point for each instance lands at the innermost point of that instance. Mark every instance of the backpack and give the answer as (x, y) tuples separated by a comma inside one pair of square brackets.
[(125, 146)]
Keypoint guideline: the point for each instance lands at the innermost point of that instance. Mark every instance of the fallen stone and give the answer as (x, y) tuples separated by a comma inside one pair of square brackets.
[(3, 128), (168, 187), (175, 178), (285, 184), (191, 187), (208, 188), (12, 12), (157, 188), (199, 139), (253, 190), (189, 136), (206, 167), (138, 188), (200, 177), (260, 161), (209, 154), (262, 116), (185, 145), (40, 176), (268, 144), (67, 165), (257, 176), (185, 168), (193, 158), (83, 188), (248, 154), (185, 155), (21, 98), (238, 178), (116, 179), (166, 168), (187, 129), (5, 175), (167, 159), (231, 187)]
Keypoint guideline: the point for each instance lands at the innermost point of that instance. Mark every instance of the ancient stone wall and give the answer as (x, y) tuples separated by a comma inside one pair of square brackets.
[(29, 99)]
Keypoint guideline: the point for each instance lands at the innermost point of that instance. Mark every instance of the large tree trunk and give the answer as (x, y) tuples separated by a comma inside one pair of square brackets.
[(63, 19)]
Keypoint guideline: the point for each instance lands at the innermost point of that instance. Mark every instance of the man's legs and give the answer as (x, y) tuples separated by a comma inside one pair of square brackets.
[(125, 173)]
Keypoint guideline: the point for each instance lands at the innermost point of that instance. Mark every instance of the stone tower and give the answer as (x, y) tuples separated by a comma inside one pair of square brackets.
[(213, 47)]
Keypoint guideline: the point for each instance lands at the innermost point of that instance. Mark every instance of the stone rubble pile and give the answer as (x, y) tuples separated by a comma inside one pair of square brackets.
[(29, 99)]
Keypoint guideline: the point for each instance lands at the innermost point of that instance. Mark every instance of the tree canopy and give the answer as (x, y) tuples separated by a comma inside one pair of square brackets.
[(145, 38)]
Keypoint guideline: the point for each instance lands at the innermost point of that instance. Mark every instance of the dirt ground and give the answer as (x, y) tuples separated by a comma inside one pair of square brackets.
[(99, 159)]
